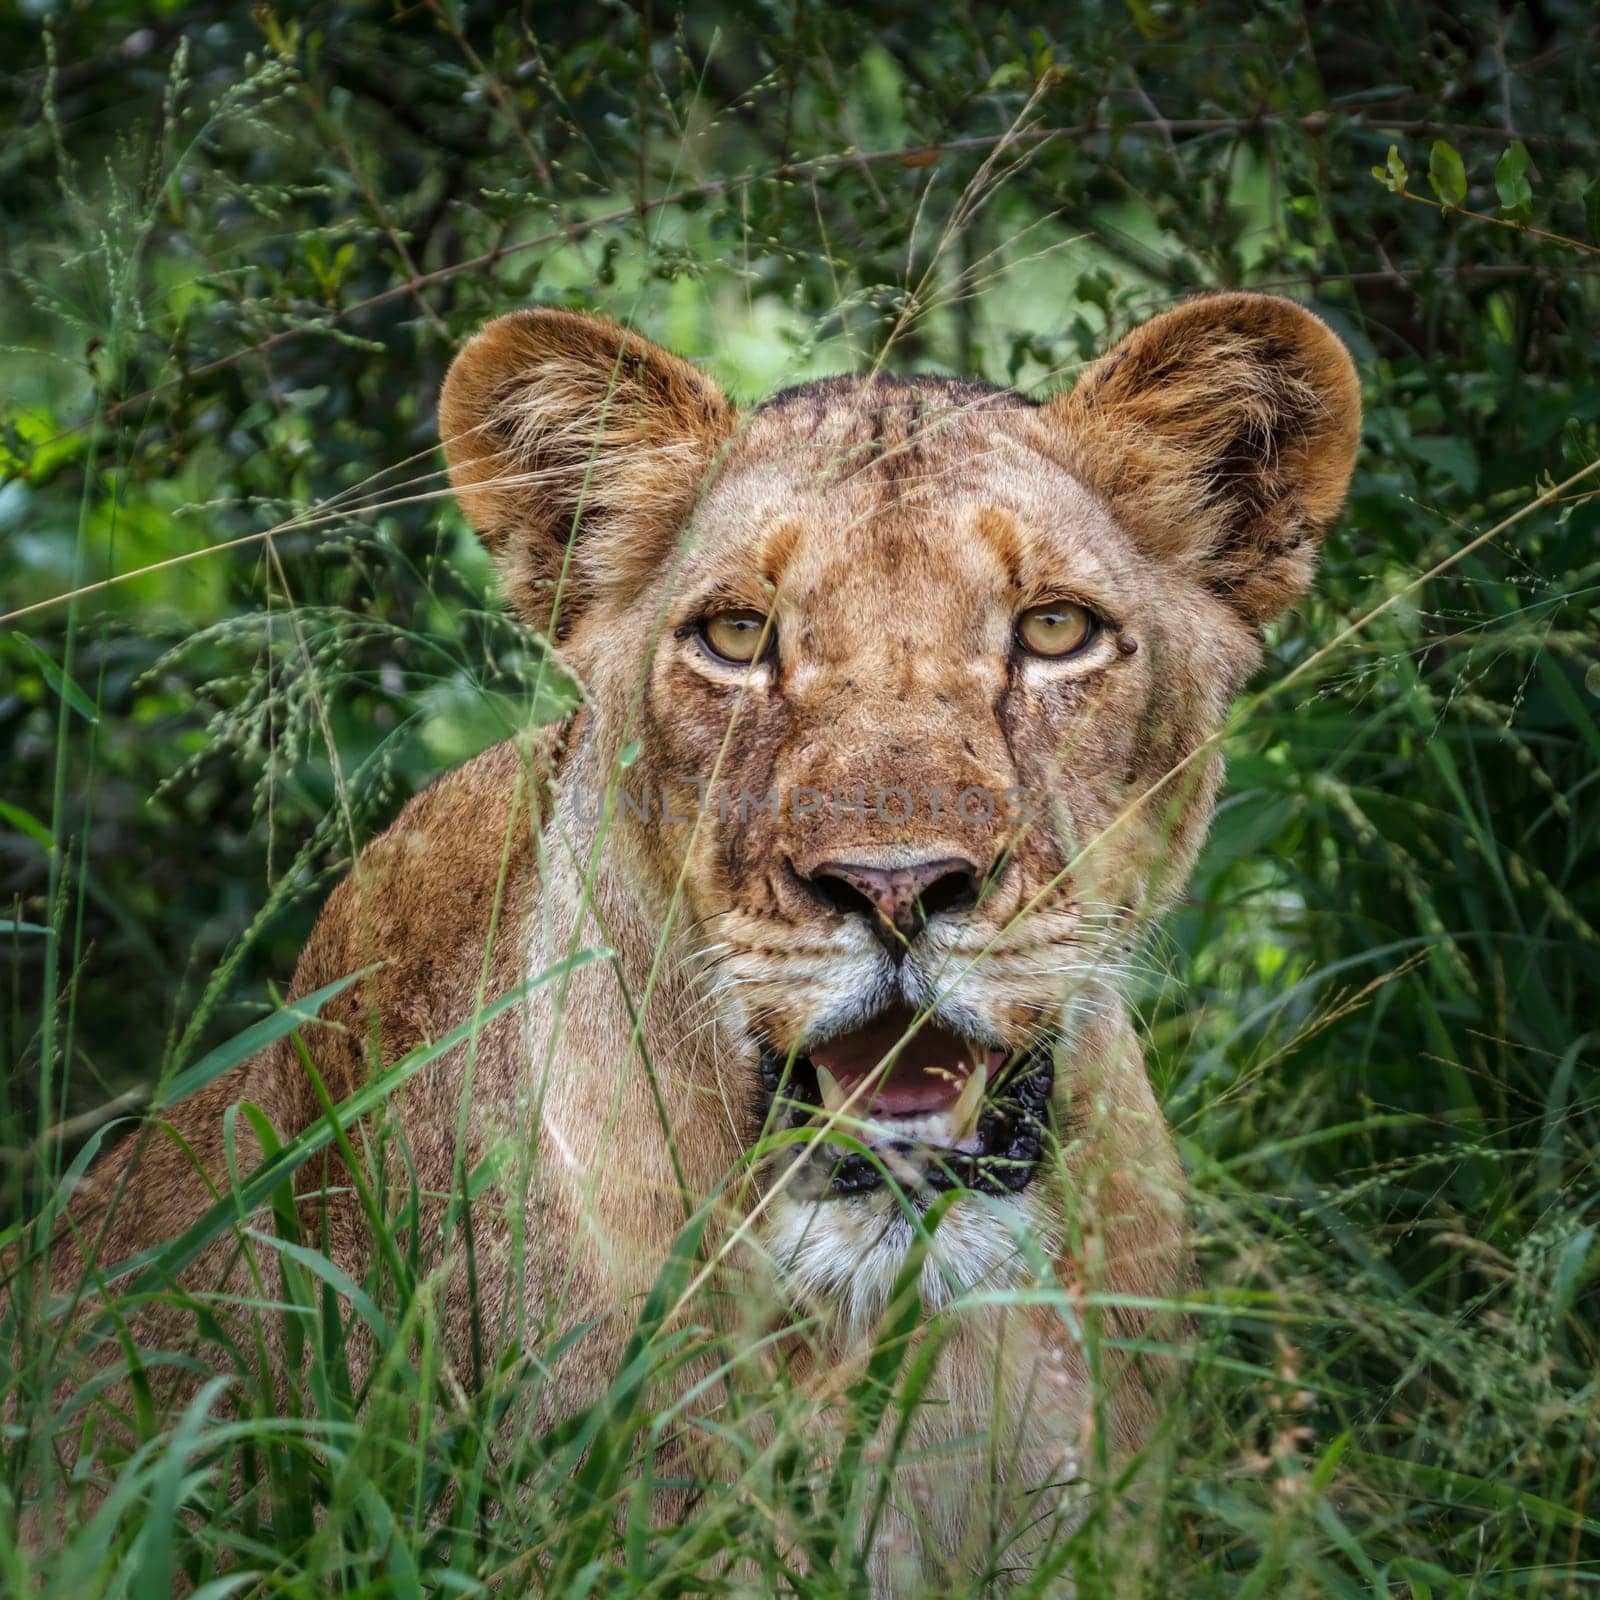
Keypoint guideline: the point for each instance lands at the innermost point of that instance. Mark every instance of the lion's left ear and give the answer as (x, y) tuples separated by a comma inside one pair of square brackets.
[(1222, 435)]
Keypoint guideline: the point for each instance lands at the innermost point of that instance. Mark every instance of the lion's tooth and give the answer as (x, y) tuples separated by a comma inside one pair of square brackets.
[(833, 1096), (965, 1112)]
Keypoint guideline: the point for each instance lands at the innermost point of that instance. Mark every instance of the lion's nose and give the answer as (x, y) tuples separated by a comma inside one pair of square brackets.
[(897, 900)]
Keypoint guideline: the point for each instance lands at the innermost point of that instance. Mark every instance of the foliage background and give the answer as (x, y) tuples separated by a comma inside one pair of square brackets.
[(242, 623)]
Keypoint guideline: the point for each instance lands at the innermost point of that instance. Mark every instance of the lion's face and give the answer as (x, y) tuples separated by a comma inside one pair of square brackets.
[(899, 805), (919, 684)]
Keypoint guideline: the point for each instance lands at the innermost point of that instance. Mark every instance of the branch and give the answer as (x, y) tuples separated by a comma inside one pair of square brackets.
[(1499, 222), (911, 157)]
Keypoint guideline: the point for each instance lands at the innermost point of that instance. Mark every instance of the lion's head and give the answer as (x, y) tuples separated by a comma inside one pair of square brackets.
[(922, 678)]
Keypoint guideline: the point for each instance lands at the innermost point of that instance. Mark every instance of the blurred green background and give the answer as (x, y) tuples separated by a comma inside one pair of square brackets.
[(240, 248)]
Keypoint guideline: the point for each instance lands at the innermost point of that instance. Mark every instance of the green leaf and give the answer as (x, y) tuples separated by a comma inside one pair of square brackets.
[(1446, 173), (1392, 174), (330, 1272), (256, 1037), (63, 685), (1591, 209), (1451, 458), (1008, 75), (25, 823), (1511, 183), (154, 1549), (1322, 1474), (1576, 1266)]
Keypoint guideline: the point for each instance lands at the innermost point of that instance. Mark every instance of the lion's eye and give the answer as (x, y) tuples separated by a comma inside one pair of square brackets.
[(737, 636), (1060, 629)]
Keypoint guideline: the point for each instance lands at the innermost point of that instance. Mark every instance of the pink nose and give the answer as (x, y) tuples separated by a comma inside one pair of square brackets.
[(899, 900)]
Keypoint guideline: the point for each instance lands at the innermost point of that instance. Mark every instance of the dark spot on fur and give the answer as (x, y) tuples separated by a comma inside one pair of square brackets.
[(1002, 707), (819, 398), (1107, 371)]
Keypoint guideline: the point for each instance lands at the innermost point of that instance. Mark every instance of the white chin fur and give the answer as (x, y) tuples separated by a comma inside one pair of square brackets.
[(844, 1254)]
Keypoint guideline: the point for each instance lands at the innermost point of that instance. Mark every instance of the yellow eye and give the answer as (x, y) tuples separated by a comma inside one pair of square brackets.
[(737, 636), (1059, 629)]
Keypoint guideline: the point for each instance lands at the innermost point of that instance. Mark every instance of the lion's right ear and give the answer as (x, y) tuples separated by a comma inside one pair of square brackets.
[(1222, 433), (562, 427)]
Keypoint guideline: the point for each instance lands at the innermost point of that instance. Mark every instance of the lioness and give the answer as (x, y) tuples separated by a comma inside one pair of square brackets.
[(898, 717)]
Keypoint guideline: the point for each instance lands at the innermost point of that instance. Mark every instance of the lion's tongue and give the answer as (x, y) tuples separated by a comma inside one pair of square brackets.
[(928, 1075)]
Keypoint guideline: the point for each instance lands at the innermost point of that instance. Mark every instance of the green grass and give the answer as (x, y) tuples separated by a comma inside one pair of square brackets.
[(1371, 1023)]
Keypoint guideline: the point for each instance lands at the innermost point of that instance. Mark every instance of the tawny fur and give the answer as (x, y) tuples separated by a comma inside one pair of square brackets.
[(893, 528)]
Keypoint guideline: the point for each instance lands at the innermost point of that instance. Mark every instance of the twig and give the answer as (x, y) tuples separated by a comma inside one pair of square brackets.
[(1499, 222)]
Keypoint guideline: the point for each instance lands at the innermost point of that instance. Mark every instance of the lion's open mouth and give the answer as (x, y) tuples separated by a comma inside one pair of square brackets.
[(935, 1109)]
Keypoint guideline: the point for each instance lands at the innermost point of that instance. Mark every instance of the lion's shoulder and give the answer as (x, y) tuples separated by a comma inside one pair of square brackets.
[(455, 868)]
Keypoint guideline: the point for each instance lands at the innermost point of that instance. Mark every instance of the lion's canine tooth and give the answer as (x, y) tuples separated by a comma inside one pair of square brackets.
[(965, 1112), (832, 1095)]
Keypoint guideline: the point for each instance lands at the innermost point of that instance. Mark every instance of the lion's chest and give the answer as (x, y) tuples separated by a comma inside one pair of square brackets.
[(982, 1444)]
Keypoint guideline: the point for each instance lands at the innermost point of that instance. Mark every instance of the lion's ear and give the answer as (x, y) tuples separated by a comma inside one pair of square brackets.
[(561, 427), (1222, 434)]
